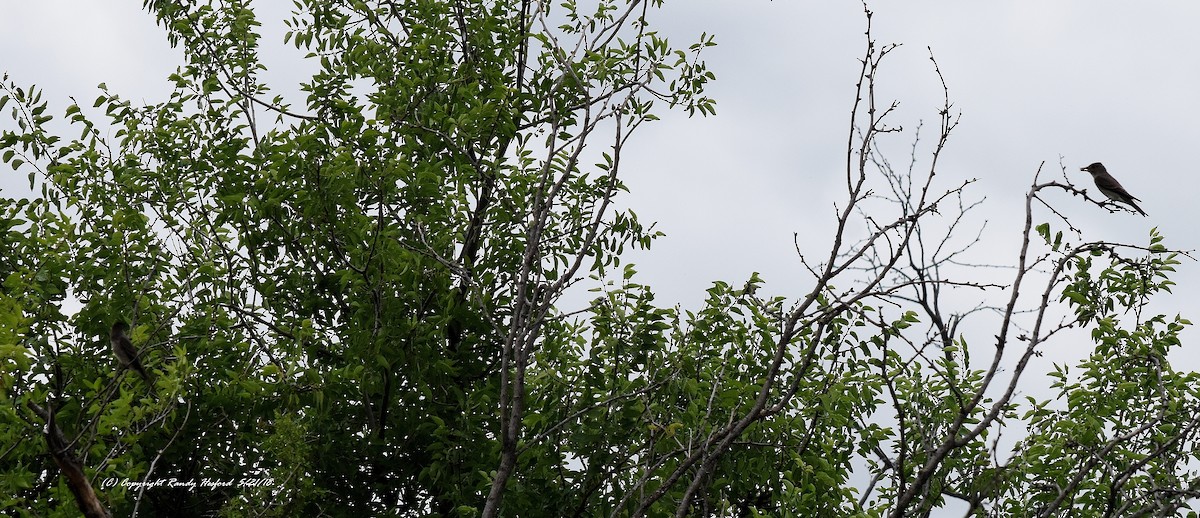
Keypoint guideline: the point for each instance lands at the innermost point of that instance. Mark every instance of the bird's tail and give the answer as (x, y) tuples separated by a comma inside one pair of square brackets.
[(1139, 209)]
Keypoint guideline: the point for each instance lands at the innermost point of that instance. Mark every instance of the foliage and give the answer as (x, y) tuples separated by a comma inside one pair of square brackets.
[(355, 307)]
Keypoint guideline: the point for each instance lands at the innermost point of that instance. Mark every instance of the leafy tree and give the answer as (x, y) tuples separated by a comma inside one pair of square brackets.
[(341, 298), (354, 307)]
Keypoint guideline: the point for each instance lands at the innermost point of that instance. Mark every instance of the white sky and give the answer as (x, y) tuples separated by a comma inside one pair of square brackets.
[(1089, 80)]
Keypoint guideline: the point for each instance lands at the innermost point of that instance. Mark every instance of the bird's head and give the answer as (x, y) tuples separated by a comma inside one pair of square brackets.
[(1094, 168), (120, 328)]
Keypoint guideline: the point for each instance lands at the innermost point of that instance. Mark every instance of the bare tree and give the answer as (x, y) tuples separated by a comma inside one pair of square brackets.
[(941, 406)]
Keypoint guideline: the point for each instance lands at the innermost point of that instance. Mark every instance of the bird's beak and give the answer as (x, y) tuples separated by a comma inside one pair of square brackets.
[(1083, 169)]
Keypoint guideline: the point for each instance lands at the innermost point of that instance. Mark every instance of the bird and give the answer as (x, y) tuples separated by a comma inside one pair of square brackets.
[(1110, 186), (124, 349)]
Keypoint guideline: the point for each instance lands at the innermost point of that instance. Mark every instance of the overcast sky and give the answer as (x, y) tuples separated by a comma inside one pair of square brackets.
[(1089, 81)]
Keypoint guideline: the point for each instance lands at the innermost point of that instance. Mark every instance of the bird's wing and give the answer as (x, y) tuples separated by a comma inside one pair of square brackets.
[(1107, 182), (126, 347)]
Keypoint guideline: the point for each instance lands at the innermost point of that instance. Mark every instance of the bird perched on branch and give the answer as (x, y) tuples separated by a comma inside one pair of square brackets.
[(124, 349), (1110, 186)]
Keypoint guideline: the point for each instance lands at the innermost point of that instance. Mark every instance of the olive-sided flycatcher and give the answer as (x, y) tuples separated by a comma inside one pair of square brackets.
[(1110, 186), (124, 349)]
